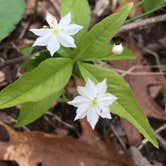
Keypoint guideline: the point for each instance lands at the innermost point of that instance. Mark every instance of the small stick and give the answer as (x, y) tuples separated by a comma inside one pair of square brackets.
[(118, 138), (162, 141), (14, 60), (142, 23), (124, 72), (144, 141), (65, 124)]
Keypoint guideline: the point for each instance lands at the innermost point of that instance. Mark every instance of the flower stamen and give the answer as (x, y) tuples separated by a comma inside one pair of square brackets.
[(55, 31), (94, 102)]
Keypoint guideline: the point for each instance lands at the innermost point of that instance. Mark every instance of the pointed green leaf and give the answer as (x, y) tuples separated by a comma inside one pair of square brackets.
[(126, 105), (10, 14), (106, 54), (33, 110), (49, 77), (93, 42), (80, 12)]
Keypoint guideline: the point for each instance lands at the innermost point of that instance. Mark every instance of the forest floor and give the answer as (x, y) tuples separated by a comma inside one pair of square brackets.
[(146, 75)]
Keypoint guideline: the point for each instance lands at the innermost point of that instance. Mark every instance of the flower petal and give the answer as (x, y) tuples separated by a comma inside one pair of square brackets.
[(41, 41), (107, 99), (104, 112), (65, 20), (81, 112), (40, 32), (53, 45), (83, 91), (91, 87), (102, 87), (92, 118), (51, 20), (72, 29), (89, 91), (78, 101), (65, 40)]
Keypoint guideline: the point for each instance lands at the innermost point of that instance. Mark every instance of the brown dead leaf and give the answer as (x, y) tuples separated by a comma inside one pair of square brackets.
[(135, 11), (34, 148), (132, 133)]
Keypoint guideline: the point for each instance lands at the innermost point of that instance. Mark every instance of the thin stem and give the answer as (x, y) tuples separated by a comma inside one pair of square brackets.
[(145, 14), (139, 3), (35, 9)]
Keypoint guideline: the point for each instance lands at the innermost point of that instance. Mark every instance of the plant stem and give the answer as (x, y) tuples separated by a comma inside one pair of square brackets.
[(35, 9), (145, 14), (138, 4)]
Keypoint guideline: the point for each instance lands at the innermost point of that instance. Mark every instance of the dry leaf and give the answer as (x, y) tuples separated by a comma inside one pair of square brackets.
[(34, 148)]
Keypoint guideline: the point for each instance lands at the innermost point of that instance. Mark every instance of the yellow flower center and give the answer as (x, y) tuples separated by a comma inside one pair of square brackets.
[(55, 31), (94, 101)]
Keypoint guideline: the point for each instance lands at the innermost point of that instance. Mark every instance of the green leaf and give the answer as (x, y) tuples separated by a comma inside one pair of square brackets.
[(64, 52), (93, 42), (150, 5), (126, 105), (106, 54), (38, 57), (80, 12), (10, 14), (49, 77), (33, 110), (35, 60)]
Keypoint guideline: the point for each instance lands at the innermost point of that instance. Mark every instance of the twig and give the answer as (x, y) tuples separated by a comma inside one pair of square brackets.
[(14, 61), (162, 141), (142, 23), (24, 30), (150, 52), (124, 73), (128, 71), (118, 138), (69, 126), (144, 142)]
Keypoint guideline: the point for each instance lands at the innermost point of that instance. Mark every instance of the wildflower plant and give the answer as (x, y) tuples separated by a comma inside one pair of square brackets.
[(105, 90)]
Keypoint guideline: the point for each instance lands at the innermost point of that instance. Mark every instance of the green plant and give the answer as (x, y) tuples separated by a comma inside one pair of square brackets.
[(40, 88), (11, 16)]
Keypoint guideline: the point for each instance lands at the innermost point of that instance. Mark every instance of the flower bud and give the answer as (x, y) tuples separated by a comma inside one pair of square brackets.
[(117, 49)]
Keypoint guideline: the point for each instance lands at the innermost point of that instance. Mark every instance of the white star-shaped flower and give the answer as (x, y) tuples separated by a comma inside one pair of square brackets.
[(58, 33), (94, 101)]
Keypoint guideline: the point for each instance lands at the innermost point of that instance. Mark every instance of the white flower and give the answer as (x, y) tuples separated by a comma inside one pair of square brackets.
[(57, 33), (93, 102), (117, 49)]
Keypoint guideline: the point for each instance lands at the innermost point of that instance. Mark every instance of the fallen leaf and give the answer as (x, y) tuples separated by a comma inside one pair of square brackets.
[(37, 148), (135, 11), (132, 133)]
